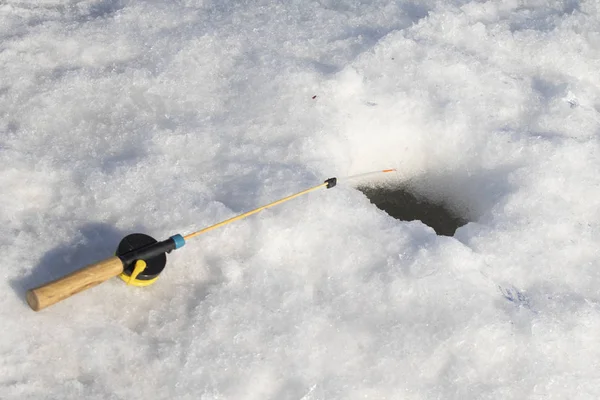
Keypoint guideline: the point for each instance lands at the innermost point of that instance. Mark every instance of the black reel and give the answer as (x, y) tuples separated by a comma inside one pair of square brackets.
[(132, 244)]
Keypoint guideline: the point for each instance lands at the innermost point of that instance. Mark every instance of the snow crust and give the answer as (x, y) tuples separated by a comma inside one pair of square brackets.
[(165, 117)]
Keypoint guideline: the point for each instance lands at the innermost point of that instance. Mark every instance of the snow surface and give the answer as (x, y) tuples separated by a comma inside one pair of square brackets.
[(166, 117)]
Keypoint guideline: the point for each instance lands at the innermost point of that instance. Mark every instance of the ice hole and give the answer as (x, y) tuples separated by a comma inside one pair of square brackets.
[(407, 205)]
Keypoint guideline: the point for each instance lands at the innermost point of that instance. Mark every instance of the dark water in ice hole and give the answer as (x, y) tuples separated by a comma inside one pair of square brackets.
[(401, 204)]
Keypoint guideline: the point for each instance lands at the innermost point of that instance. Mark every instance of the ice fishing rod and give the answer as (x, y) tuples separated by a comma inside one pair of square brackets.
[(140, 258)]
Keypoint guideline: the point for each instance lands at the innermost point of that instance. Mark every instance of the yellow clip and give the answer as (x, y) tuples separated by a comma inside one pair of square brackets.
[(140, 266), (132, 280)]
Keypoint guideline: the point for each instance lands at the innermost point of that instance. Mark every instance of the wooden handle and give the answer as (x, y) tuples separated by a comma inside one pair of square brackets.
[(85, 278)]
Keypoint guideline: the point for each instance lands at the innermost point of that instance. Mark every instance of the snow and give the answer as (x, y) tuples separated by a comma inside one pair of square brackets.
[(166, 117)]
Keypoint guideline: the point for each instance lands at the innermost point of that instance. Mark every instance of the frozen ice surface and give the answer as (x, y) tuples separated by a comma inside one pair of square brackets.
[(165, 117)]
